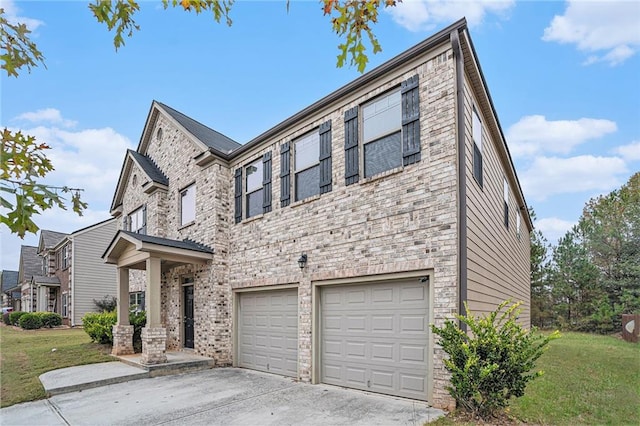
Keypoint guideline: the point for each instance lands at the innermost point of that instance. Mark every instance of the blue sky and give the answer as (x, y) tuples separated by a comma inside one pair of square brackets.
[(564, 78)]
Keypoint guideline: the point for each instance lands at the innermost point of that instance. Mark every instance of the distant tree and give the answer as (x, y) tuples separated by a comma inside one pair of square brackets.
[(24, 163), (541, 306)]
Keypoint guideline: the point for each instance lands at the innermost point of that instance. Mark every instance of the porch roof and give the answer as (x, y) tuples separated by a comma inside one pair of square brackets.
[(131, 250), (46, 281)]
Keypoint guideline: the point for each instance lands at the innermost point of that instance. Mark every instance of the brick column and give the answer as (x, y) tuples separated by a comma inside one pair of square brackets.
[(122, 340), (154, 345)]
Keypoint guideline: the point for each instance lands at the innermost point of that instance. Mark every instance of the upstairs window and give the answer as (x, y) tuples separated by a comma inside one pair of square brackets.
[(137, 221), (66, 256), (188, 205), (307, 166), (382, 122), (253, 184), (477, 146), (505, 188)]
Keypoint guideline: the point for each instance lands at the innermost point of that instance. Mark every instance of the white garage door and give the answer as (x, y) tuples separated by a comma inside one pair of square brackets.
[(375, 337), (268, 331)]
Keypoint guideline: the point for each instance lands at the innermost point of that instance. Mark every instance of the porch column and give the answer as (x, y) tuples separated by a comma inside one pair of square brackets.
[(154, 335), (122, 331)]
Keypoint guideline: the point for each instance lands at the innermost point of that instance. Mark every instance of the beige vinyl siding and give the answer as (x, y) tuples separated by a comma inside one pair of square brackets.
[(91, 277), (497, 260)]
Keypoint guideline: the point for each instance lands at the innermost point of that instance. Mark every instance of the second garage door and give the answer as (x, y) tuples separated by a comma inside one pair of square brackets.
[(375, 337), (268, 331)]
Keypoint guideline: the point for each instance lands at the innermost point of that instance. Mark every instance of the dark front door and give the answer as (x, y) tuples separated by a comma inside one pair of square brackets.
[(188, 316)]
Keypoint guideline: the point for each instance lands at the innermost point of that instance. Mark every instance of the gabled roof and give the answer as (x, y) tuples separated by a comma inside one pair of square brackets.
[(149, 167), (207, 135), (9, 280), (30, 263), (49, 239), (185, 244)]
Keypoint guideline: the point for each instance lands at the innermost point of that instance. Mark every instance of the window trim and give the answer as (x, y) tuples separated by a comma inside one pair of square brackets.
[(143, 219), (138, 296), (505, 196), (477, 159), (182, 194), (316, 163), (246, 193)]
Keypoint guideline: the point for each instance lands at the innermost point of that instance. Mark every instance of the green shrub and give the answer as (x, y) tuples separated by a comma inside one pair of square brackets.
[(14, 317), (138, 319), (5, 318), (106, 304), (30, 321), (99, 326), (490, 364), (50, 319)]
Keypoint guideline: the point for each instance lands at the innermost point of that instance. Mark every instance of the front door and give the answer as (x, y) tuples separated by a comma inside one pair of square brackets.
[(188, 316)]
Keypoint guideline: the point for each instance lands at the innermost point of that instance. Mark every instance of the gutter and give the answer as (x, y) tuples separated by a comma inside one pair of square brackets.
[(462, 177)]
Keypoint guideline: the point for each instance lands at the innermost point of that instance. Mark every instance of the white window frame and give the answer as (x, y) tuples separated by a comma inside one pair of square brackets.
[(310, 137), (259, 165), (65, 305), (390, 130), (137, 221), (518, 220), (188, 205), (476, 135)]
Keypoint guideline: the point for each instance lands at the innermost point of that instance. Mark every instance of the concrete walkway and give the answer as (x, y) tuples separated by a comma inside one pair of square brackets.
[(219, 396)]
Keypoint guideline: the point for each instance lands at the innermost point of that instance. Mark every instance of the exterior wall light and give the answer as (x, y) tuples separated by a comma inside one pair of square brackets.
[(302, 262)]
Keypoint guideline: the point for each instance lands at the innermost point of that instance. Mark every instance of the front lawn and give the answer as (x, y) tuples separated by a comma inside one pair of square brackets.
[(589, 380), (25, 355)]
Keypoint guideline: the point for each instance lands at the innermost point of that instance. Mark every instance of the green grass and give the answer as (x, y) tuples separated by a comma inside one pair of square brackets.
[(25, 355), (588, 380)]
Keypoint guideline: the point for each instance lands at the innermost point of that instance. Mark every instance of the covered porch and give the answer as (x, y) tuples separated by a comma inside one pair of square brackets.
[(155, 255)]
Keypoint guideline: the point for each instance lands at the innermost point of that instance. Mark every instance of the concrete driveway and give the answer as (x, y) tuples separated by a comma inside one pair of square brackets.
[(220, 396)]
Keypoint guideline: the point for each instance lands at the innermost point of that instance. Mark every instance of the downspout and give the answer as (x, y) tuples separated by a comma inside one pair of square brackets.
[(71, 297), (462, 177)]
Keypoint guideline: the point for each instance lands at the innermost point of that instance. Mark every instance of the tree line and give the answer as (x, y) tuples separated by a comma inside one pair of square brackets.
[(592, 275)]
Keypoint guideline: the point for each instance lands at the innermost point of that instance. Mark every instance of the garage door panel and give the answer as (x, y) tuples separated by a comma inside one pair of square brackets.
[(375, 337), (268, 331)]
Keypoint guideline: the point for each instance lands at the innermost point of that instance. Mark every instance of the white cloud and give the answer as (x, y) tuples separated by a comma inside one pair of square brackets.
[(535, 134), (548, 176), (11, 12), (420, 15), (47, 115), (610, 31), (630, 152), (553, 228)]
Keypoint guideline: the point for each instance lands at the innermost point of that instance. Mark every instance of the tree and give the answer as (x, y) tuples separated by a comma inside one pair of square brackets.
[(24, 162), (541, 314)]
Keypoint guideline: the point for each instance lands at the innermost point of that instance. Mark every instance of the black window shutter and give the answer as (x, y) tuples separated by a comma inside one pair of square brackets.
[(238, 195), (410, 121), (351, 159), (285, 175), (266, 182), (325, 157)]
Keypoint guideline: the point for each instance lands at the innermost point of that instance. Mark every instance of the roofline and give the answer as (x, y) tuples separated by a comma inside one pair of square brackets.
[(86, 228)]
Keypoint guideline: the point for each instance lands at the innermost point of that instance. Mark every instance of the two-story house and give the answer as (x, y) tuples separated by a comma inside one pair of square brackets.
[(30, 265), (11, 292), (323, 248)]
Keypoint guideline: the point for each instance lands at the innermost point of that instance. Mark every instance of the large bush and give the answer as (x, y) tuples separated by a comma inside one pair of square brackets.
[(106, 304), (14, 317), (99, 326), (50, 319), (492, 362), (30, 321)]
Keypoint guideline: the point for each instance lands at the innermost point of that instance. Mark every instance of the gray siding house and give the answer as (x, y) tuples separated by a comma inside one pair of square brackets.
[(323, 248)]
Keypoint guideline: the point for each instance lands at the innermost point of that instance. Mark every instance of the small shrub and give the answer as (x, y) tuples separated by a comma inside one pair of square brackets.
[(14, 317), (5, 318), (30, 321), (106, 304), (99, 326), (490, 364), (50, 319)]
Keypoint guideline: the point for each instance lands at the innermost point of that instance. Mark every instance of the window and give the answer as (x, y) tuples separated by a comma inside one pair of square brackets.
[(136, 300), (307, 166), (390, 133), (137, 221), (45, 266), (65, 305), (253, 184), (159, 134), (188, 205), (257, 187), (66, 256), (477, 146), (382, 144), (518, 226), (505, 188)]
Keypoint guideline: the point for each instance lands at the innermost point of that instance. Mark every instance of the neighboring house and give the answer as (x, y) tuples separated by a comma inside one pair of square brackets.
[(323, 248), (74, 274), (30, 266), (10, 290)]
